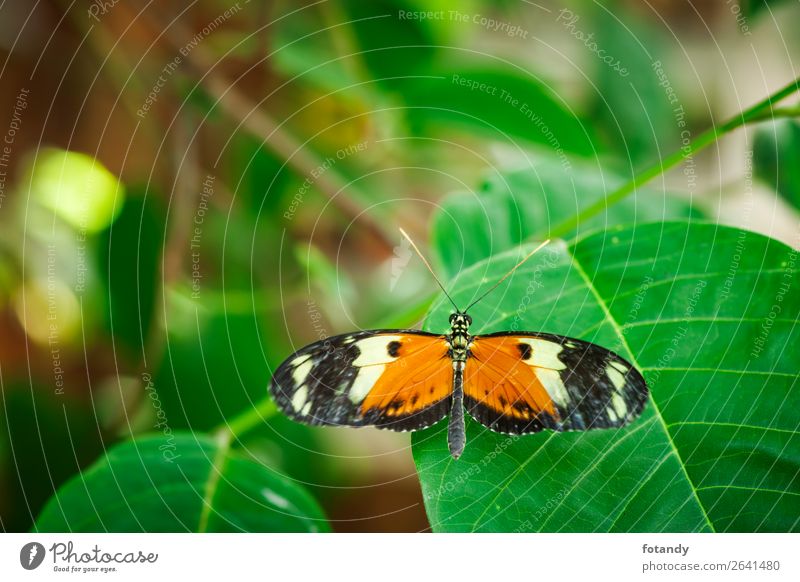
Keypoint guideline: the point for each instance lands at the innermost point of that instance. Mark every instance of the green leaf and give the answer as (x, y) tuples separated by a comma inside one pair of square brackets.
[(505, 104), (633, 109), (128, 261), (709, 315), (214, 366), (176, 483), (528, 202), (776, 149), (756, 7), (50, 436), (390, 46), (334, 46)]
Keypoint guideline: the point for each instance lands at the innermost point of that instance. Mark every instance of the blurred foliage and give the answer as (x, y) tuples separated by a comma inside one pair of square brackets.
[(77, 188), (183, 206), (633, 109), (48, 442), (756, 7), (128, 260), (526, 202), (776, 152)]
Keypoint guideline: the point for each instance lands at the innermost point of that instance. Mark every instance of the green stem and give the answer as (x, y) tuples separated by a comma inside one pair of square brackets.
[(759, 112), (247, 420), (775, 113), (254, 118)]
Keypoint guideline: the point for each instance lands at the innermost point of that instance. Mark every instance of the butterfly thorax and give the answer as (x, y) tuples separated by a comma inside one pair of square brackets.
[(459, 338)]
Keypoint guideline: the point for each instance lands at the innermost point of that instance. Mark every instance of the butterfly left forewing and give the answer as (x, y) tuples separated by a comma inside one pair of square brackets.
[(395, 379), (524, 382)]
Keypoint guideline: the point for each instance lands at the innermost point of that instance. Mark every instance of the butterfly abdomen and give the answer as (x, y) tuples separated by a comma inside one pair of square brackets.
[(456, 430)]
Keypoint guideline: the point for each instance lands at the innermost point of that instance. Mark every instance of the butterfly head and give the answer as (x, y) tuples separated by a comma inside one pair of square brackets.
[(460, 322)]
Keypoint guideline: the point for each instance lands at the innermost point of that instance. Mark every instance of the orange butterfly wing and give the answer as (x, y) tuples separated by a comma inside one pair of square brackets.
[(498, 379), (420, 377), (524, 382), (395, 379)]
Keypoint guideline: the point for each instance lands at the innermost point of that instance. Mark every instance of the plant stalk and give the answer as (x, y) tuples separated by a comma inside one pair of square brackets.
[(761, 111), (263, 410)]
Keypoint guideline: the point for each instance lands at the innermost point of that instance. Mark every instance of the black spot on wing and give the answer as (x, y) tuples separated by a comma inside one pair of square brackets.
[(393, 348), (525, 351)]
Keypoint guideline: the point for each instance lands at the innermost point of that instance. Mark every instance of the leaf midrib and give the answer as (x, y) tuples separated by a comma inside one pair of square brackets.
[(618, 331), (214, 476)]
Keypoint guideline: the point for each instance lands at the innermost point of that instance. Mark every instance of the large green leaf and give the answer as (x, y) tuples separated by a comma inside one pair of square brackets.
[(708, 313), (516, 205), (177, 483)]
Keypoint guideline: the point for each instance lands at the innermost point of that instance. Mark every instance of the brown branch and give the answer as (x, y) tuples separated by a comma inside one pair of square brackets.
[(274, 136)]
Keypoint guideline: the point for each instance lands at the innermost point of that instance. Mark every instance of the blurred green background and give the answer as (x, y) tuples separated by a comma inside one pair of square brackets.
[(189, 194)]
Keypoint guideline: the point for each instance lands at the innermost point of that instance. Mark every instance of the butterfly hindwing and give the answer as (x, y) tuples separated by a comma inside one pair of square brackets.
[(395, 379), (520, 383)]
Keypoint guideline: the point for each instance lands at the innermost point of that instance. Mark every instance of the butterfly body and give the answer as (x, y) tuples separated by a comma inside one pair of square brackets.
[(459, 340), (511, 382)]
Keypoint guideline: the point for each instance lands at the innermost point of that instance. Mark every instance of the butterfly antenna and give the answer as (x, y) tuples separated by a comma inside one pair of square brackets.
[(427, 264), (507, 275)]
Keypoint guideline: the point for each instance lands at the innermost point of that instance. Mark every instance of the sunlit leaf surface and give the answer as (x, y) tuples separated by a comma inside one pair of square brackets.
[(707, 313)]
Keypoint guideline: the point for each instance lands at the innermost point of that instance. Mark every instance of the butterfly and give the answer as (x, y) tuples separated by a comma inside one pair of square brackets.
[(510, 382)]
